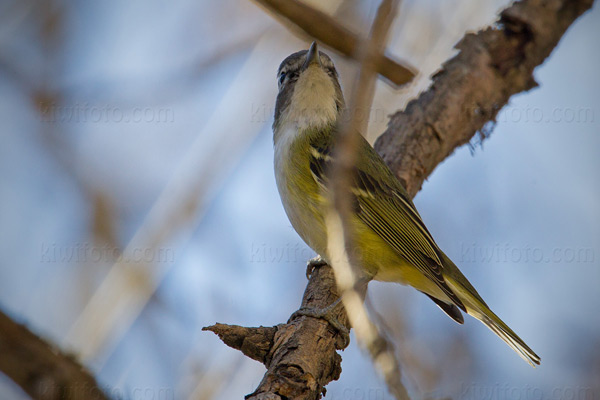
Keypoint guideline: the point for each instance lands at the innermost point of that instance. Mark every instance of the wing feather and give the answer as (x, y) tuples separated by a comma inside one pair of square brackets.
[(391, 214)]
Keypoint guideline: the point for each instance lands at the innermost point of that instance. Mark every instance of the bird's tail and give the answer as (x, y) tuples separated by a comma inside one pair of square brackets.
[(496, 325), (477, 308)]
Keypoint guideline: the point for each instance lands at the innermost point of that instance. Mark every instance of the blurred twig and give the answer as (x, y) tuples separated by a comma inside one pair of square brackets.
[(40, 369), (468, 92), (346, 270), (328, 31)]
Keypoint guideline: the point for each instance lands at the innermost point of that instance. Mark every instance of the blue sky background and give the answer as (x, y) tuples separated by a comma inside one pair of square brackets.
[(153, 135)]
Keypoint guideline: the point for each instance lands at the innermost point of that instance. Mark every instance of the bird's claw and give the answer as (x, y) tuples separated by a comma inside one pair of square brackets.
[(313, 263)]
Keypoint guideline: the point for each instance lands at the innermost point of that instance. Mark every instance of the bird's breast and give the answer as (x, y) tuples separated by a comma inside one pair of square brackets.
[(302, 199)]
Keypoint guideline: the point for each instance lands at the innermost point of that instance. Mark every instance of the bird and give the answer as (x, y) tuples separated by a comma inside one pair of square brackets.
[(393, 242)]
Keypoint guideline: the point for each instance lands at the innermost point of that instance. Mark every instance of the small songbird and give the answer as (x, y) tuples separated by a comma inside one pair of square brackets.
[(392, 241)]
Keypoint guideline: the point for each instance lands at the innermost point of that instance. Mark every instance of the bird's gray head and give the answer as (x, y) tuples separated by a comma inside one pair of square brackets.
[(309, 92)]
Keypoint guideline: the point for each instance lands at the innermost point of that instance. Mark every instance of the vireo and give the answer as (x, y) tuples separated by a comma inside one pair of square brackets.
[(392, 241)]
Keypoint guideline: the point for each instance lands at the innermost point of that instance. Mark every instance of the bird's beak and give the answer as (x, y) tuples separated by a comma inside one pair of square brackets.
[(312, 57)]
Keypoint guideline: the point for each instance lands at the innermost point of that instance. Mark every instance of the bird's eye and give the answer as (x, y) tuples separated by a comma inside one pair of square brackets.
[(281, 78)]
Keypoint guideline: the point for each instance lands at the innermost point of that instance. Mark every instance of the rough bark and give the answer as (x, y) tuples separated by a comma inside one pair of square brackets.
[(465, 95), (40, 369), (292, 352)]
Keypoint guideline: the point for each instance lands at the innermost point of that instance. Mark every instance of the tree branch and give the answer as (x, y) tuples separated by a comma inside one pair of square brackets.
[(471, 88), (300, 356), (40, 369), (466, 93)]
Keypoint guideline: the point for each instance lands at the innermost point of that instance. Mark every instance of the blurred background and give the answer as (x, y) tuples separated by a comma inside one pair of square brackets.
[(143, 128)]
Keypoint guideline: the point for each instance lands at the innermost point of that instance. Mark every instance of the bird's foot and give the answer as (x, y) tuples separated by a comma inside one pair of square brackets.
[(328, 314), (313, 263)]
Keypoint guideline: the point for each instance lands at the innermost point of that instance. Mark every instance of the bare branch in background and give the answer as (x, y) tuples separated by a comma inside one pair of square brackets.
[(40, 369), (467, 93), (328, 31)]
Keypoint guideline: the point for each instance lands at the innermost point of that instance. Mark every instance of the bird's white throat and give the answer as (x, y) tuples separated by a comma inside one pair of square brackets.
[(313, 102)]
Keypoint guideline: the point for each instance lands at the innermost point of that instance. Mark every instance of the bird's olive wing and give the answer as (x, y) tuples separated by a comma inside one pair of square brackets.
[(388, 212)]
